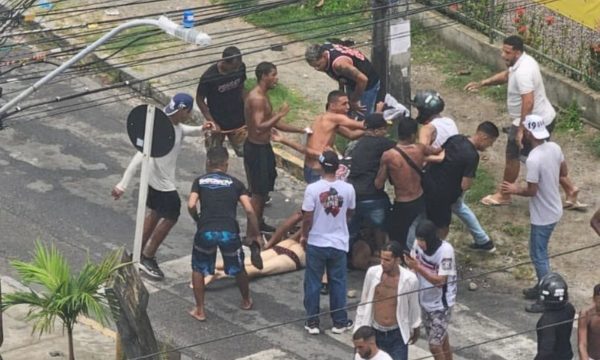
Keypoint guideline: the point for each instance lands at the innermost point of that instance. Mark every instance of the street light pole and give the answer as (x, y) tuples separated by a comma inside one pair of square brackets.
[(187, 35)]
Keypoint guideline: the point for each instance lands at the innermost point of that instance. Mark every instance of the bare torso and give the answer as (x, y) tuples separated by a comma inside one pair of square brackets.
[(323, 136), (386, 300), (593, 332), (255, 114), (406, 181)]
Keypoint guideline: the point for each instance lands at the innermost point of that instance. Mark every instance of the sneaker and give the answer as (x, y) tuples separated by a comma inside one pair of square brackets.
[(536, 307), (341, 328), (324, 289), (487, 247), (268, 200), (150, 267), (531, 293), (266, 228), (255, 258), (312, 328)]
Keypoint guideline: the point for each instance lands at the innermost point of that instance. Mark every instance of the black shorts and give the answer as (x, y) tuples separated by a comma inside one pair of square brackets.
[(512, 149), (402, 217), (166, 203), (439, 208), (259, 162)]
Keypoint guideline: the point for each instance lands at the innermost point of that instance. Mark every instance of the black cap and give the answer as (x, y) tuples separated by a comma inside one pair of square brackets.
[(375, 121), (329, 160)]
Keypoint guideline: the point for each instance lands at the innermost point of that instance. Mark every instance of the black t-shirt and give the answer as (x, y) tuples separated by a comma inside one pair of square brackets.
[(359, 60), (219, 195), (224, 96), (461, 160), (554, 342), (364, 165)]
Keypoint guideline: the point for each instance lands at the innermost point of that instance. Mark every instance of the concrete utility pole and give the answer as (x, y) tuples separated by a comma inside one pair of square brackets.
[(391, 48)]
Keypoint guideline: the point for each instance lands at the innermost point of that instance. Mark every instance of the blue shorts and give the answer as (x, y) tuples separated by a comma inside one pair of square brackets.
[(204, 254)]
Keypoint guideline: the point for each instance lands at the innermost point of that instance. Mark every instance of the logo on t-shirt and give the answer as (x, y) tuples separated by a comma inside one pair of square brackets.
[(215, 182), (447, 264), (331, 201)]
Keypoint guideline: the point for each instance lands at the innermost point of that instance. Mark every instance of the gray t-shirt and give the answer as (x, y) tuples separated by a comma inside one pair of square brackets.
[(543, 168)]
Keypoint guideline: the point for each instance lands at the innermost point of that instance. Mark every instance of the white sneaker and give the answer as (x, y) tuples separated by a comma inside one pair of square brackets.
[(339, 329), (313, 329)]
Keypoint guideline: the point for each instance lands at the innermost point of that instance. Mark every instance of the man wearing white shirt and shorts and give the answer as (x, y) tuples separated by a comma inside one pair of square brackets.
[(525, 95), (435, 266)]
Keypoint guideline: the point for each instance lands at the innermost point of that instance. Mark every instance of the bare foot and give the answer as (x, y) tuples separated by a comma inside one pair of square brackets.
[(572, 197), (246, 304), (496, 199), (198, 315)]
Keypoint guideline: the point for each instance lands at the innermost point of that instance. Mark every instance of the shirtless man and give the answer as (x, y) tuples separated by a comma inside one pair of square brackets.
[(588, 329), (396, 319), (259, 159), (405, 176)]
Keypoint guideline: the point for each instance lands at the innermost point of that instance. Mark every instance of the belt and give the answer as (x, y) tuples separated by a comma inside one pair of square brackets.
[(392, 332)]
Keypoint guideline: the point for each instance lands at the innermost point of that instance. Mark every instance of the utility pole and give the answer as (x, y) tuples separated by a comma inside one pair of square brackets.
[(379, 51)]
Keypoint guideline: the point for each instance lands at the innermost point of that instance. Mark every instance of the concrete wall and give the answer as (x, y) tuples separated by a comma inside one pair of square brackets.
[(560, 90)]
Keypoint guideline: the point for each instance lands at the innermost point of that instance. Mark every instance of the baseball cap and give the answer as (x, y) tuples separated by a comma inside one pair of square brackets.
[(535, 125), (375, 121), (178, 102), (329, 160)]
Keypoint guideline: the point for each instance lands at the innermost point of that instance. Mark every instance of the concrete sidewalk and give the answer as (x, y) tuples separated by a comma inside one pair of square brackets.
[(91, 341)]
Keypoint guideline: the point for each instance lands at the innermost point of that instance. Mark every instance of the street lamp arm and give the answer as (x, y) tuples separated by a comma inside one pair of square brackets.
[(168, 26)]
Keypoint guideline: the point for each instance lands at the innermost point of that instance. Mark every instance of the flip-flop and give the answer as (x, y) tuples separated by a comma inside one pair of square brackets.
[(249, 307), (490, 201), (578, 206)]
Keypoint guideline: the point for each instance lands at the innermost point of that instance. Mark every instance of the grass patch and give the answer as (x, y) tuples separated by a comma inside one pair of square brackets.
[(302, 112), (483, 185), (569, 118), (595, 145), (303, 21), (428, 48)]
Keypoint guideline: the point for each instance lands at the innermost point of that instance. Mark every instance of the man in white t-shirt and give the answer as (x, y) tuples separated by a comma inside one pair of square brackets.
[(435, 266), (163, 199), (545, 165), (327, 206), (365, 346), (526, 95)]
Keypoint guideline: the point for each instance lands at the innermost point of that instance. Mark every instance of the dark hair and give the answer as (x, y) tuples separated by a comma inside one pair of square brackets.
[(264, 68), (407, 127), (597, 290), (314, 52), (489, 128), (364, 332), (515, 41), (217, 156), (393, 247), (335, 95), (231, 54), (427, 231)]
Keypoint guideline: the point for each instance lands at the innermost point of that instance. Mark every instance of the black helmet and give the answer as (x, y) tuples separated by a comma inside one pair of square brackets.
[(553, 291), (428, 102)]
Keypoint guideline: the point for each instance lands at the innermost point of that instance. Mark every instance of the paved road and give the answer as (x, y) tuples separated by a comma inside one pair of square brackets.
[(56, 174)]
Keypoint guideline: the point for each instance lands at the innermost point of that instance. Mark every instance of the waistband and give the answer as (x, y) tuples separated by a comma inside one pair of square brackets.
[(384, 329), (418, 200)]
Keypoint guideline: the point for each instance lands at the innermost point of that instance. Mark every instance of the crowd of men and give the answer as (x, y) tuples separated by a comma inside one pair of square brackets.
[(430, 167)]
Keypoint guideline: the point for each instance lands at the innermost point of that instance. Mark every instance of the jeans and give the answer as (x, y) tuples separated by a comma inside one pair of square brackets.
[(466, 215), (374, 210), (538, 248), (392, 343), (369, 98), (311, 175), (319, 259)]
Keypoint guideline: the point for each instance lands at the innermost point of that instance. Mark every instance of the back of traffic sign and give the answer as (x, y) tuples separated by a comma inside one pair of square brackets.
[(163, 137)]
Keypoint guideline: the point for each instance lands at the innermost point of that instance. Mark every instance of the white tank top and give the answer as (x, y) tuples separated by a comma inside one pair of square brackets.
[(444, 127)]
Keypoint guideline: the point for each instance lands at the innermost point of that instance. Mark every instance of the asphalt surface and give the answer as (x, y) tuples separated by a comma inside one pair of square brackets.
[(56, 174)]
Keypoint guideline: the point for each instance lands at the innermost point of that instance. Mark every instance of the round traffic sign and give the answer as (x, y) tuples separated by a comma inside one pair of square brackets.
[(163, 137)]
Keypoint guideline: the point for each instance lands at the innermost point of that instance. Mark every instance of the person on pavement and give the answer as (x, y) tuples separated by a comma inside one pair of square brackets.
[(219, 194), (445, 181), (220, 97), (259, 159), (525, 95), (403, 166), (588, 329), (351, 69), (365, 346), (435, 131), (435, 266), (556, 323), (163, 199), (545, 165), (390, 304), (327, 206)]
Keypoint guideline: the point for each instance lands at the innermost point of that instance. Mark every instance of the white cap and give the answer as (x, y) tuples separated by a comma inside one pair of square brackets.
[(535, 125)]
